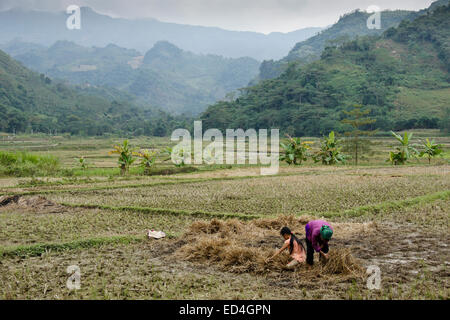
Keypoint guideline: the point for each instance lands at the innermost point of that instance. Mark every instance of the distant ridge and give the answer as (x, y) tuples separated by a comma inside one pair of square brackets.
[(45, 28), (168, 77)]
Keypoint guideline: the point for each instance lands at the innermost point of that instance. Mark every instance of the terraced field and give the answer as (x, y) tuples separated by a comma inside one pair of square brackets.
[(221, 225)]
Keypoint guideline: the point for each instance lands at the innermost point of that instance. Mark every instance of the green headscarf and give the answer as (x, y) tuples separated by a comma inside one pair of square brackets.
[(326, 232)]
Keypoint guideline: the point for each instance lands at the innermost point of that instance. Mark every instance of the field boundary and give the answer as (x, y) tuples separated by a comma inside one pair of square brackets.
[(149, 210), (41, 248), (146, 185), (169, 180), (389, 205)]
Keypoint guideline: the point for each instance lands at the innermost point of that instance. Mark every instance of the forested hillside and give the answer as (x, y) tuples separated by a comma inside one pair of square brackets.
[(347, 28), (176, 81), (403, 76), (32, 102)]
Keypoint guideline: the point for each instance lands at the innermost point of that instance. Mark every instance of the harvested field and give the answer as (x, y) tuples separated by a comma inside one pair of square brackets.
[(271, 195), (244, 247), (222, 224), (21, 224), (212, 268)]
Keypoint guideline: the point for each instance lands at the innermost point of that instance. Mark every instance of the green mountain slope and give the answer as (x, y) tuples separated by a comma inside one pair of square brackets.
[(33, 102), (403, 76), (347, 28), (168, 77)]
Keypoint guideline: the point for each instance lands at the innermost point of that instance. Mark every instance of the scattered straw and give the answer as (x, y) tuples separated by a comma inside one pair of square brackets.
[(244, 247)]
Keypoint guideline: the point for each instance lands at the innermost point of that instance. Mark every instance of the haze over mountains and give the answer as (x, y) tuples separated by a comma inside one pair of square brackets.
[(32, 102), (99, 30), (166, 76), (85, 84)]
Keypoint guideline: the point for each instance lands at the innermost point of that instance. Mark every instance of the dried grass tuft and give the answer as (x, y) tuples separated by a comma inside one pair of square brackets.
[(215, 226), (341, 261), (294, 223), (243, 247), (230, 255)]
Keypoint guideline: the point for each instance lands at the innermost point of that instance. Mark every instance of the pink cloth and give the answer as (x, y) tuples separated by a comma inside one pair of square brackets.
[(297, 253), (313, 232)]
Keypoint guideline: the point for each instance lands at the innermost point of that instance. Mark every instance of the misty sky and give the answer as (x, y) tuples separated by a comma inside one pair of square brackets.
[(246, 15)]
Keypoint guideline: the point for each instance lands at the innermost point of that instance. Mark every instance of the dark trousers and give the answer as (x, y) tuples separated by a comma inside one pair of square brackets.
[(310, 251)]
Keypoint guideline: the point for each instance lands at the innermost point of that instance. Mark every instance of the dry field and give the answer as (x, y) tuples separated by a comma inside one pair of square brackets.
[(221, 225)]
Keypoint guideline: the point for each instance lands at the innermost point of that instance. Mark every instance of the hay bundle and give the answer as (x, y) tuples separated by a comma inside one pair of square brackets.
[(230, 255), (204, 249), (276, 224), (240, 259), (215, 226), (40, 204), (341, 262), (6, 200), (239, 247)]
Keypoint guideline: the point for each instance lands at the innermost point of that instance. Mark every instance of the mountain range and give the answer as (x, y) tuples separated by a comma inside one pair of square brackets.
[(349, 27), (175, 80), (32, 102), (400, 72), (46, 28)]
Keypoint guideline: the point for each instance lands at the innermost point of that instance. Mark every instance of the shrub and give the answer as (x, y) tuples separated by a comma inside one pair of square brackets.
[(83, 163), (26, 164)]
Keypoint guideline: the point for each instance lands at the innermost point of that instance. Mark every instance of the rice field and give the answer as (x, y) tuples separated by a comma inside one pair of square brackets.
[(272, 195), (222, 223)]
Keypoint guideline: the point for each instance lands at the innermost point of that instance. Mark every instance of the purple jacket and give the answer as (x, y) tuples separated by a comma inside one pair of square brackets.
[(313, 232)]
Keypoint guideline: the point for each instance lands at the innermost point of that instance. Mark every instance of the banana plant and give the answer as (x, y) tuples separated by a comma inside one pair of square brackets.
[(405, 151), (83, 163), (330, 151), (296, 151), (431, 149), (148, 159), (125, 153)]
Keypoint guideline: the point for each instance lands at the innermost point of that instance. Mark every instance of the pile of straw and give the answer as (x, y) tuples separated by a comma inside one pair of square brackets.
[(235, 246)]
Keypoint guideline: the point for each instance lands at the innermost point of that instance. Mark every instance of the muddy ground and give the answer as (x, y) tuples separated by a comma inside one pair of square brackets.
[(408, 256), (404, 254)]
